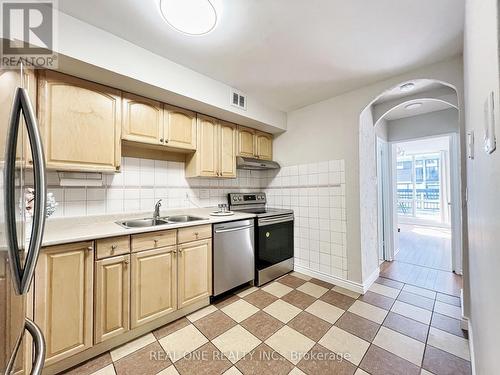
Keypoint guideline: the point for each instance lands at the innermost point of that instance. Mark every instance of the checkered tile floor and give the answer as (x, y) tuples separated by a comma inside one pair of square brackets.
[(299, 325)]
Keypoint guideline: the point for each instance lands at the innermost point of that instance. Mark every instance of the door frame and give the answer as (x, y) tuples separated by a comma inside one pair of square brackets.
[(389, 197), (385, 241)]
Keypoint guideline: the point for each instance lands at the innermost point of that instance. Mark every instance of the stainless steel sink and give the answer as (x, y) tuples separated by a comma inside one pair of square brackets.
[(142, 223), (149, 222), (182, 218)]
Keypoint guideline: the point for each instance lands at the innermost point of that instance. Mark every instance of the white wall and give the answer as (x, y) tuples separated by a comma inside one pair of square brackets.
[(330, 130), (481, 73), (429, 124)]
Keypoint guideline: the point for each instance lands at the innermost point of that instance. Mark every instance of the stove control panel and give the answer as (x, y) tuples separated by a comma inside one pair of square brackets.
[(247, 198)]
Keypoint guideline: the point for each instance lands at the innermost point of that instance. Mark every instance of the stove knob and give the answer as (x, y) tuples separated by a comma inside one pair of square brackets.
[(240, 199)]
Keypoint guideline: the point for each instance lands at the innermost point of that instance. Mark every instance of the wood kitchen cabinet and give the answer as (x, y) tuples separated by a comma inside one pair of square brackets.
[(194, 271), (227, 149), (142, 119), (64, 299), (254, 144), (80, 123), (179, 128), (246, 142), (153, 285), (216, 150), (264, 146), (111, 297)]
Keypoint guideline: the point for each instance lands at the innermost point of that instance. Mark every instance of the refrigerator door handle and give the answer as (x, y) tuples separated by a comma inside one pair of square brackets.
[(22, 277), (38, 349)]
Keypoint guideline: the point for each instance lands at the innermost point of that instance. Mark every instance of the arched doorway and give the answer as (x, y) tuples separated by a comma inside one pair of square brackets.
[(381, 199)]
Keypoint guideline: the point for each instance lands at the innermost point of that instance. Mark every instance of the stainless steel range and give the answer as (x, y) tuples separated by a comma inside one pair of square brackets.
[(273, 237)]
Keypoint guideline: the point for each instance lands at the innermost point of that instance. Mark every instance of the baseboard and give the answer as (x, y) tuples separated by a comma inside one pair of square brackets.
[(370, 280), (471, 346), (347, 284)]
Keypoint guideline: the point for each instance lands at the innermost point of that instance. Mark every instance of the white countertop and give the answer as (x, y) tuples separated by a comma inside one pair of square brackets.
[(66, 230)]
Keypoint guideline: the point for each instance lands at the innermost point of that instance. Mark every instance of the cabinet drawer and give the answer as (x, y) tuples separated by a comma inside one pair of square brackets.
[(153, 240), (195, 233), (108, 247)]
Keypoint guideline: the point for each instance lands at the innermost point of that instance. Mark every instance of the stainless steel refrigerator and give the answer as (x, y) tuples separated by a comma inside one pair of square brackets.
[(22, 219)]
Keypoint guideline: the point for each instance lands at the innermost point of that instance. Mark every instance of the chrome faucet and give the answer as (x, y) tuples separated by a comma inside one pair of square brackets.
[(156, 213)]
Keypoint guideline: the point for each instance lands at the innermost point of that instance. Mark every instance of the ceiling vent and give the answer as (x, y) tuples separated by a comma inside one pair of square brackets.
[(238, 99)]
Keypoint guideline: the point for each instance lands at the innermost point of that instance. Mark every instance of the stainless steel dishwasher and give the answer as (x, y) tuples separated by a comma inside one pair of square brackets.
[(234, 259)]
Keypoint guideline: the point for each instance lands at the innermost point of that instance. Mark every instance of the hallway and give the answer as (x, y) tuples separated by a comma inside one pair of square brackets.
[(424, 260), (425, 246)]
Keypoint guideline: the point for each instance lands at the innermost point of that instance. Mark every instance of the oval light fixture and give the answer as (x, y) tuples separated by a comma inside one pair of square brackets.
[(192, 17), (407, 87), (413, 105)]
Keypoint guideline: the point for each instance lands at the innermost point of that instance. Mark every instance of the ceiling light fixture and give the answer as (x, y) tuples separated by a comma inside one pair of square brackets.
[(407, 87), (192, 17), (413, 105)]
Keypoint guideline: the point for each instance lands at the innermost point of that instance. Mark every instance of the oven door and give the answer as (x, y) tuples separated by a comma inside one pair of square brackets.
[(275, 240)]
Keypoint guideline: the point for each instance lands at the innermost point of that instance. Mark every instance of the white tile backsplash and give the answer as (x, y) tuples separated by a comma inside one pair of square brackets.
[(316, 193)]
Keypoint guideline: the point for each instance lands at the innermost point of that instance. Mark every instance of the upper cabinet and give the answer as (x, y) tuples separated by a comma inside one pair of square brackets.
[(264, 146), (80, 122), (142, 119), (227, 149), (246, 142), (147, 121), (179, 128), (254, 144), (216, 150)]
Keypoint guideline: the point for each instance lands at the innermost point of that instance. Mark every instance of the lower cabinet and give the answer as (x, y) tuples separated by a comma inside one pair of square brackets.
[(195, 271), (111, 297), (63, 299), (153, 286)]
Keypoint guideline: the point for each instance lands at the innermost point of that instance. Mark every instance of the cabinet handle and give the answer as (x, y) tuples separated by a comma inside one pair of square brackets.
[(180, 251), (90, 248), (166, 140), (196, 234), (155, 241), (113, 248), (174, 251), (161, 140), (126, 261)]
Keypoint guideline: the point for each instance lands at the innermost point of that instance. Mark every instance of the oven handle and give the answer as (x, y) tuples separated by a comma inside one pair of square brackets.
[(275, 220)]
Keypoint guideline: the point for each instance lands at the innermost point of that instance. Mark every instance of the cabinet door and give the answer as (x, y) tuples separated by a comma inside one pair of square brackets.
[(142, 119), (153, 287), (179, 127), (63, 299), (227, 143), (264, 144), (80, 123), (246, 142), (112, 297), (195, 272), (207, 152)]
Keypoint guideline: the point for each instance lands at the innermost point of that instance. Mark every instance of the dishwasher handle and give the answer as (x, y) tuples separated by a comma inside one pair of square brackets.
[(234, 229)]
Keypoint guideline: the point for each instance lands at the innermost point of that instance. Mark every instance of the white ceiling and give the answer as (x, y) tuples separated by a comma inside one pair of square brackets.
[(428, 106), (421, 85), (292, 53)]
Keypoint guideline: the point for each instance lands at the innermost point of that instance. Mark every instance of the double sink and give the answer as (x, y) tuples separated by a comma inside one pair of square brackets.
[(151, 222)]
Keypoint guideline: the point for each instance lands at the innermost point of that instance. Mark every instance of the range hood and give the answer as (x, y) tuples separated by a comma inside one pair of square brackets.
[(255, 164)]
